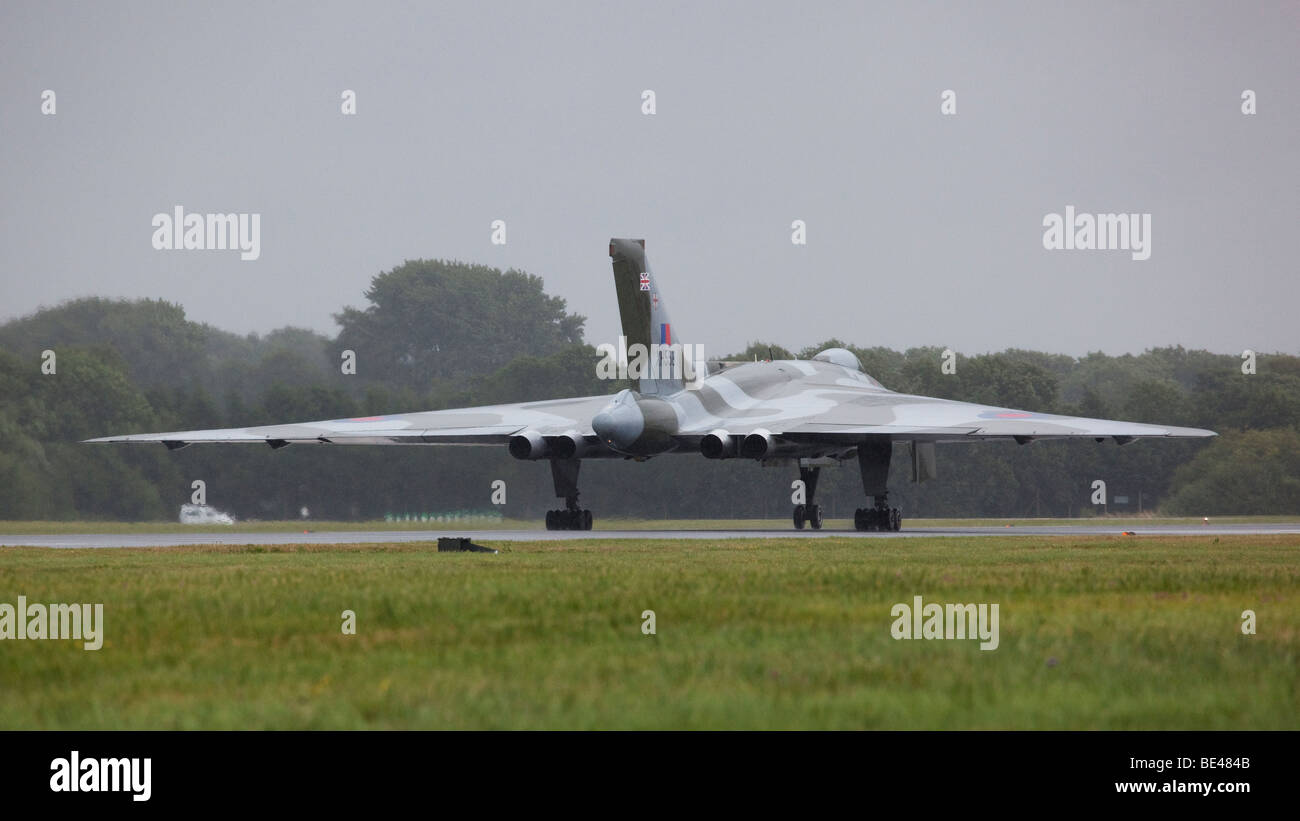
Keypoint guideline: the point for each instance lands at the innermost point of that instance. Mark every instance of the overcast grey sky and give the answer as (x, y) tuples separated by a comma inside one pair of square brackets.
[(921, 228)]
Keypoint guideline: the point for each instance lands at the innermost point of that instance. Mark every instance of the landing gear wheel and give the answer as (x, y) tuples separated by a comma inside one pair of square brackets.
[(564, 474), (895, 519), (859, 519), (799, 518), (568, 519), (815, 516), (876, 518)]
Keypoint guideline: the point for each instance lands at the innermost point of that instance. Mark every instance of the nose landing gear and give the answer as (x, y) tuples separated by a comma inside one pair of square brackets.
[(808, 513)]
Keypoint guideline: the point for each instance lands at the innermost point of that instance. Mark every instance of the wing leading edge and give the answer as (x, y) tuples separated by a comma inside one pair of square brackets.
[(960, 422), (486, 425)]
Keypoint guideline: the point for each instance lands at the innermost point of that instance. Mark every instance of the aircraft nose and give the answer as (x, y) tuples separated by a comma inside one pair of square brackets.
[(619, 425)]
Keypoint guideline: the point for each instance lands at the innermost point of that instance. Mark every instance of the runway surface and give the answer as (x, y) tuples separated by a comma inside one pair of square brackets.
[(109, 540)]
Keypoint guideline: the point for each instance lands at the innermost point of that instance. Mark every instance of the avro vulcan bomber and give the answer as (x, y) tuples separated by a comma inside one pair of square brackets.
[(806, 414)]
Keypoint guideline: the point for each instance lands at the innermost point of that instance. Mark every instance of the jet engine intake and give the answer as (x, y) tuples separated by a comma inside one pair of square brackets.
[(718, 444), (566, 445), (529, 445), (757, 445)]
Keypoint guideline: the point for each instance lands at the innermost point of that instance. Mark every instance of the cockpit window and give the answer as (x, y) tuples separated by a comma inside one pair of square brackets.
[(845, 359), (839, 356)]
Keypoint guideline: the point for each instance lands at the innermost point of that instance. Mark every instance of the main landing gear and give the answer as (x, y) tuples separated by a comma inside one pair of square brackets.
[(569, 519), (880, 517), (873, 462), (808, 513), (564, 472)]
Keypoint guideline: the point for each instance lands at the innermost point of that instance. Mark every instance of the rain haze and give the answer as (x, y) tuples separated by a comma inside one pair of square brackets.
[(922, 227)]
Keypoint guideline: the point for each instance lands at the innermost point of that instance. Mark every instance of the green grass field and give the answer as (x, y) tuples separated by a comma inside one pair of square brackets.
[(1095, 632)]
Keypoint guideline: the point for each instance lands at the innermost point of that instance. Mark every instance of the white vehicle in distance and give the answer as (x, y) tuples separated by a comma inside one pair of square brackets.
[(204, 515)]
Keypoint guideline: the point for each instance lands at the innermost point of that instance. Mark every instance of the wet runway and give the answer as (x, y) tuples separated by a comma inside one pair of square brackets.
[(110, 540)]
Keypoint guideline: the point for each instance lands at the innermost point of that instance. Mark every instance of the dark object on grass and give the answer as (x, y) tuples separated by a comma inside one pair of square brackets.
[(460, 544)]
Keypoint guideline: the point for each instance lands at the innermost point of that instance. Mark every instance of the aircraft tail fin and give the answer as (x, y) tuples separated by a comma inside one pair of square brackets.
[(645, 320)]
